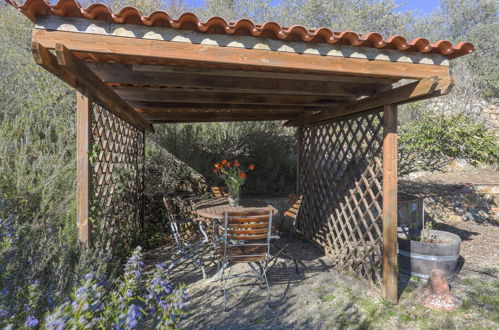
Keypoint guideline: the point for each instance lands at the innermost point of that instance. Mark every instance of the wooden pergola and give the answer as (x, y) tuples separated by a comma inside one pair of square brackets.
[(340, 90)]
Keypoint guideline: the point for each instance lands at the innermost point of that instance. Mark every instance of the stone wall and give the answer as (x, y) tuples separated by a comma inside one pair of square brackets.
[(490, 114), (486, 111), (480, 205)]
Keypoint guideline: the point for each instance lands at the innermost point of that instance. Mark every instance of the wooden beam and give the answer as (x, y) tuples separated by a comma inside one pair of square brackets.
[(251, 74), (390, 203), (150, 50), (173, 95), (413, 91), (159, 107), (237, 108), (48, 61), (97, 87), (114, 75), (219, 116), (83, 176)]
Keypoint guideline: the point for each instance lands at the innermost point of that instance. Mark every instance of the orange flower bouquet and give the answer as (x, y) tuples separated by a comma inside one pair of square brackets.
[(234, 176)]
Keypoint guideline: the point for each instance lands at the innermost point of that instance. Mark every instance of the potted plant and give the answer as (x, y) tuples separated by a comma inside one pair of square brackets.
[(234, 176), (421, 251)]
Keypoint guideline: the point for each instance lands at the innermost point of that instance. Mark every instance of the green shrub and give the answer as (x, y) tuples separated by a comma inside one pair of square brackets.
[(434, 140), (268, 145)]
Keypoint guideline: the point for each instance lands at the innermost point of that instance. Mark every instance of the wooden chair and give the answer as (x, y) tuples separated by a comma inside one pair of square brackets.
[(294, 204), (246, 239), (217, 192), (184, 250)]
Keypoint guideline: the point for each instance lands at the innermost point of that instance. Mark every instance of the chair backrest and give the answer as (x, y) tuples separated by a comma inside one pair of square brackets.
[(217, 192), (247, 236), (294, 203), (170, 208)]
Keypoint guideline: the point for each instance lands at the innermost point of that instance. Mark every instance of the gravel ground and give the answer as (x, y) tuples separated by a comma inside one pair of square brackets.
[(322, 297)]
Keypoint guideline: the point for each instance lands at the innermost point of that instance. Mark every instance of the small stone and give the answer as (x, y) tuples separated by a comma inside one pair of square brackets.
[(468, 216), (454, 218), (436, 293)]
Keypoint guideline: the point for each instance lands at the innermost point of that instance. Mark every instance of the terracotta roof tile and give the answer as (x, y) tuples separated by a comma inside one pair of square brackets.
[(217, 25)]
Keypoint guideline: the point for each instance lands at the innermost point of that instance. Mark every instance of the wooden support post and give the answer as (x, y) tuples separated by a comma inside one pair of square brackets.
[(298, 159), (143, 186), (390, 203), (83, 141)]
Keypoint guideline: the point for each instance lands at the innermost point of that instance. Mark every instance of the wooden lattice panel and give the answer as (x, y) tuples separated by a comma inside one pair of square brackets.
[(117, 160), (340, 174)]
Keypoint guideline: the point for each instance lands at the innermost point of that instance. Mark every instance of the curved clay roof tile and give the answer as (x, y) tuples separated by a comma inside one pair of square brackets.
[(463, 48), (242, 27), (189, 21), (444, 47), (186, 21), (159, 19), (98, 11), (295, 33), (421, 45), (214, 25), (324, 35), (128, 15), (376, 39), (351, 38), (269, 30), (398, 42)]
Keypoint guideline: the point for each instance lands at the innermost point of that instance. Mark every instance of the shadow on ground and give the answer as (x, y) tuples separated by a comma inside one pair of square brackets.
[(293, 295)]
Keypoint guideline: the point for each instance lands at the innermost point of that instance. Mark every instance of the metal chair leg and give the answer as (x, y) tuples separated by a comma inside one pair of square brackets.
[(224, 285), (264, 274), (201, 228), (286, 253)]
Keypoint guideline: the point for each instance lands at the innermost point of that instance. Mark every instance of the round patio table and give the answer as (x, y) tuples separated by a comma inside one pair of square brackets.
[(215, 208)]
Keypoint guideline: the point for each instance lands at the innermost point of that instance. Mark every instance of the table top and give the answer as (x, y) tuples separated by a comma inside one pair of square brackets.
[(215, 208)]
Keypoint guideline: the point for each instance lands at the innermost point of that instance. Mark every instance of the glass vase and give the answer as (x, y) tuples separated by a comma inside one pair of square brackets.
[(234, 196)]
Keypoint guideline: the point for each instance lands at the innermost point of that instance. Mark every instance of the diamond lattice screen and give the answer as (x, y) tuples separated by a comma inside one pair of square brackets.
[(117, 158), (340, 174)]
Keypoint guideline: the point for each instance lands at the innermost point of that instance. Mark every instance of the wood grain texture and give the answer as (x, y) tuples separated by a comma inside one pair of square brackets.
[(83, 141), (390, 203), (187, 117), (97, 87), (251, 74), (151, 108), (113, 74), (216, 208), (416, 90), (154, 49), (340, 176), (173, 95)]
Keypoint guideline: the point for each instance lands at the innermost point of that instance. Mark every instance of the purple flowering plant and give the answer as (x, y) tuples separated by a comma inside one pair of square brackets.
[(133, 302)]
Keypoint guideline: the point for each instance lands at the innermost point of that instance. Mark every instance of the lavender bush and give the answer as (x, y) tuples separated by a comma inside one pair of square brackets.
[(135, 301)]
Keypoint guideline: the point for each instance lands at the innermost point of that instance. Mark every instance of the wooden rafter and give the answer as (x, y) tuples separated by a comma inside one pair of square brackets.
[(51, 63), (96, 86), (187, 117), (248, 58), (228, 84), (424, 88), (173, 95), (158, 108), (250, 74)]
